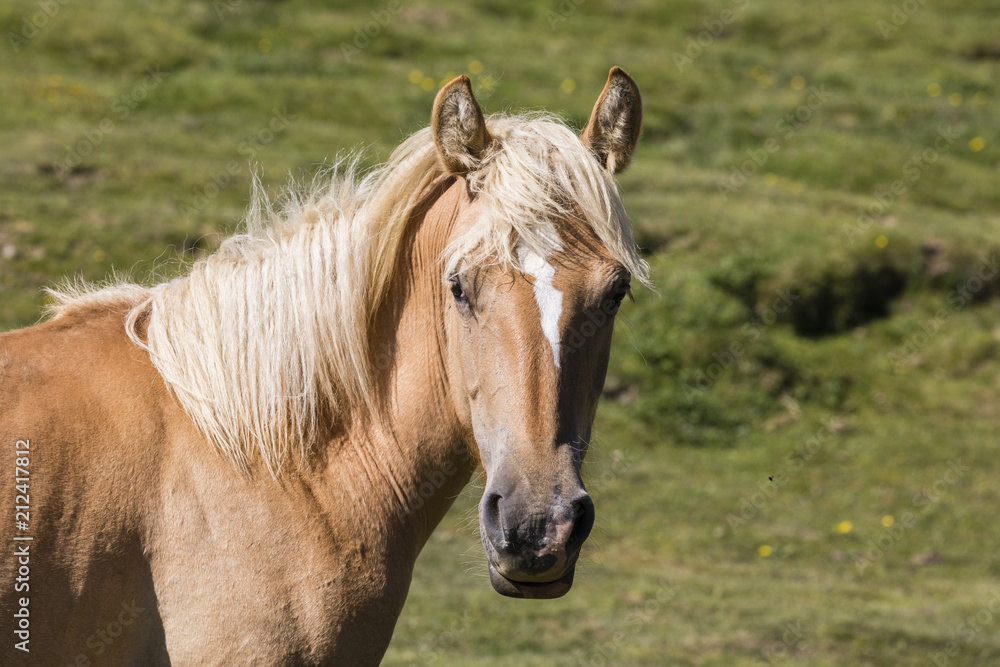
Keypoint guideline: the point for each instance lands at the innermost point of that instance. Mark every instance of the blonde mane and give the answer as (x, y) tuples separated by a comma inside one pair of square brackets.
[(270, 334)]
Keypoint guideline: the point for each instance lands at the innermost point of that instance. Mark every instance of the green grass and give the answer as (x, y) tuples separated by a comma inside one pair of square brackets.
[(712, 390)]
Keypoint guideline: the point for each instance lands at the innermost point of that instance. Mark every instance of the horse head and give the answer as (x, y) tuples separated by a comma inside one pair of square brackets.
[(539, 260)]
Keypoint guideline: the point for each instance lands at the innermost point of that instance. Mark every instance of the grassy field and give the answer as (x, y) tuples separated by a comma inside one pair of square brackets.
[(796, 459)]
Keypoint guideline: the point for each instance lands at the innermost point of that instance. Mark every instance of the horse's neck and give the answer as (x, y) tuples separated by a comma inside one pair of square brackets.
[(415, 453)]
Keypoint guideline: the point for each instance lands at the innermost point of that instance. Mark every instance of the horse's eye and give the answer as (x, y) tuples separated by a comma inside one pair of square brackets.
[(457, 290), (621, 289)]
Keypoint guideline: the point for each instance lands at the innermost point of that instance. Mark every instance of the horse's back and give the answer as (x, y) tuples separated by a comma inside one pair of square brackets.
[(79, 428)]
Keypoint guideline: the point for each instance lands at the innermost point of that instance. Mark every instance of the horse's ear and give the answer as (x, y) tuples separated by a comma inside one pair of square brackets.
[(613, 129), (459, 127)]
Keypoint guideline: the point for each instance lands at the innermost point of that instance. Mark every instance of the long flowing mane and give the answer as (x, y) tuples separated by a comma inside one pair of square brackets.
[(270, 334)]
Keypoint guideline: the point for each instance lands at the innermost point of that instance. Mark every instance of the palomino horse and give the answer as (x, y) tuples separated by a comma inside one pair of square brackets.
[(241, 465)]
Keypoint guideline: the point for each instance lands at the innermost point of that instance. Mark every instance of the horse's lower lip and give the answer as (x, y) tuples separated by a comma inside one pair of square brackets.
[(531, 589)]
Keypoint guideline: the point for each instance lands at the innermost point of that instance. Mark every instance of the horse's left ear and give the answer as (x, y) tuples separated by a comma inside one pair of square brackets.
[(615, 123), (459, 127)]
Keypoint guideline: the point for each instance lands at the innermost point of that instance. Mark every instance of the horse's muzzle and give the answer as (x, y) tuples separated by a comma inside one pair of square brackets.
[(532, 553), (532, 590)]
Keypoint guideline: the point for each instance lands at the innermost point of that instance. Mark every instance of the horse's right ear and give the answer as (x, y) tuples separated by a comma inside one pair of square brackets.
[(459, 127), (613, 129)]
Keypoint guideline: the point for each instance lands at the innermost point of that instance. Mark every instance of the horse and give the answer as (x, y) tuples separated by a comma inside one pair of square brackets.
[(241, 465)]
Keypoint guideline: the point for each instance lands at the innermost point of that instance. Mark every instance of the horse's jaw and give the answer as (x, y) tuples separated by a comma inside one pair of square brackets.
[(531, 590)]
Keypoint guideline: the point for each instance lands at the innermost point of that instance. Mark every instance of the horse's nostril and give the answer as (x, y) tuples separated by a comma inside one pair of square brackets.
[(583, 520), (493, 503), (492, 518), (568, 527)]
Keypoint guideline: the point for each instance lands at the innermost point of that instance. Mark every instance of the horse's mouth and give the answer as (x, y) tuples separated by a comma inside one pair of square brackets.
[(533, 590)]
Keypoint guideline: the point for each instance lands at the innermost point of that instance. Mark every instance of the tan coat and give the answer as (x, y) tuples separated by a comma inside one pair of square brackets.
[(150, 547)]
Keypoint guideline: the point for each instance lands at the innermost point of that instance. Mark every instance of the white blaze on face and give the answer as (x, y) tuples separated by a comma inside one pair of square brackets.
[(549, 299)]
